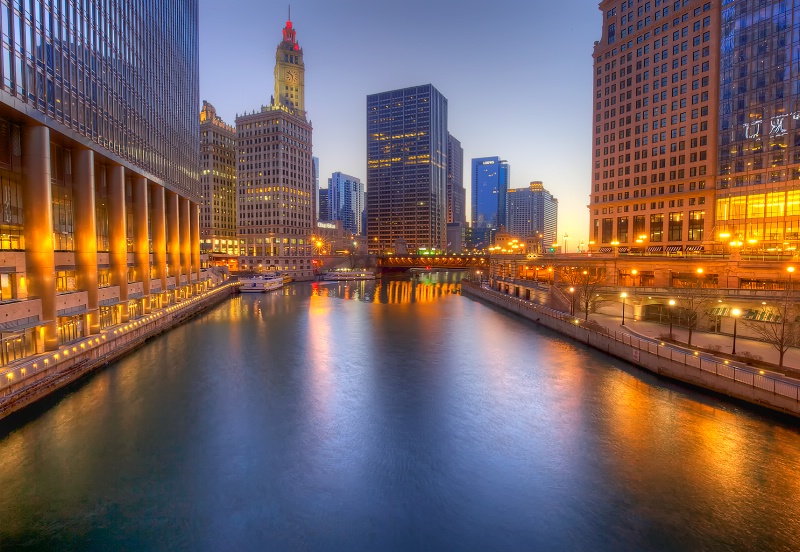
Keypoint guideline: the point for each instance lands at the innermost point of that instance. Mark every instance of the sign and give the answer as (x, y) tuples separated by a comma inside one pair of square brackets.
[(777, 125), (327, 225)]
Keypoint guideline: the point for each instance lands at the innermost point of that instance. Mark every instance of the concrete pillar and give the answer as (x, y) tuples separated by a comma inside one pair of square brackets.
[(174, 244), (86, 233), (141, 238), (194, 230), (159, 229), (117, 236), (40, 265), (186, 242)]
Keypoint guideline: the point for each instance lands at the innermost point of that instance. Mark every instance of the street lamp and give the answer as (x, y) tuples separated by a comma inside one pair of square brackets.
[(790, 270), (566, 237), (572, 301), (671, 304), (623, 295), (634, 272), (735, 313)]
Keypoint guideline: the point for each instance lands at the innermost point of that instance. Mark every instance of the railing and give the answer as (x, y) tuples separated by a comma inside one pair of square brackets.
[(785, 387)]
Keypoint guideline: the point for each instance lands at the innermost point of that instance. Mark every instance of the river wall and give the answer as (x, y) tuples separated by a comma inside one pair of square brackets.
[(37, 377), (701, 370)]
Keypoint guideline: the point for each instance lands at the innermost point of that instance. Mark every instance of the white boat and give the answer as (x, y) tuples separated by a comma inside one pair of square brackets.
[(337, 275), (260, 283)]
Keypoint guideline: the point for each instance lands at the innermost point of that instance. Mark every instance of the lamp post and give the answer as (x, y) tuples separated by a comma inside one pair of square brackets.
[(572, 301), (735, 313), (615, 245), (790, 270), (634, 272), (671, 304), (566, 237), (623, 295)]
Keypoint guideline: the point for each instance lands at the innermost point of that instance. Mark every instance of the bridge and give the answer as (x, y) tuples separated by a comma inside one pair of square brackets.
[(405, 262)]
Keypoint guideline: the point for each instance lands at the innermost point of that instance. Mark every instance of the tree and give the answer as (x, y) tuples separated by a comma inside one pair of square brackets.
[(694, 302), (587, 280), (782, 330)]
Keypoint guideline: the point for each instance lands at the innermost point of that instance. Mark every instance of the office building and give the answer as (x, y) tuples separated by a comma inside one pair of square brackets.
[(346, 201), (315, 170), (456, 194), (490, 181), (324, 209), (98, 168), (218, 187), (275, 176), (654, 141), (407, 169), (533, 212)]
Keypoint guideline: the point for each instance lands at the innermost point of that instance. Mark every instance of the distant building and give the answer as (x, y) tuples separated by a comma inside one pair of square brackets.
[(315, 172), (407, 168), (324, 210), (346, 201), (490, 181), (218, 186), (532, 211), (276, 181), (456, 237), (456, 194)]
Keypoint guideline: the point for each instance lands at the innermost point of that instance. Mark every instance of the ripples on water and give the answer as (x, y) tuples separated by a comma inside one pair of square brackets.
[(390, 415)]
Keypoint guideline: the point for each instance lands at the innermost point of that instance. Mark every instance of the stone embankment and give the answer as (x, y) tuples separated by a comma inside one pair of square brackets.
[(26, 382), (699, 369)]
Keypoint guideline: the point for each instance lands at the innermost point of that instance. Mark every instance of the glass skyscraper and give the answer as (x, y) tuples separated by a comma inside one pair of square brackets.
[(99, 140), (346, 201), (490, 181), (407, 168)]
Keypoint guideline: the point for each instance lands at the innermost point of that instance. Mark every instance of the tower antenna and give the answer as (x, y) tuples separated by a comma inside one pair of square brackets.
[(290, 12)]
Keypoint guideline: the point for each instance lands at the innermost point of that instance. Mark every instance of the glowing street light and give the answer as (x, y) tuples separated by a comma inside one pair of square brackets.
[(572, 301), (623, 295), (671, 304), (735, 313)]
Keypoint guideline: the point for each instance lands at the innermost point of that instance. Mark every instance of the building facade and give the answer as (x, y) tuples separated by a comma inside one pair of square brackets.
[(218, 188), (407, 169), (315, 169), (275, 178), (98, 167), (758, 185), (456, 194), (324, 210), (654, 145), (533, 212), (346, 201)]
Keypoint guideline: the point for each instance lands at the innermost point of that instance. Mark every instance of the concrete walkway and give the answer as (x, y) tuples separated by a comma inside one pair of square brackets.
[(703, 340)]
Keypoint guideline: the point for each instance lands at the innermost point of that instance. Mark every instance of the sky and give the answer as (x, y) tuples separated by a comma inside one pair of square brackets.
[(517, 76)]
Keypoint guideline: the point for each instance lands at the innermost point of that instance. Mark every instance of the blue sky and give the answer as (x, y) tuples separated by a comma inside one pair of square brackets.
[(517, 76)]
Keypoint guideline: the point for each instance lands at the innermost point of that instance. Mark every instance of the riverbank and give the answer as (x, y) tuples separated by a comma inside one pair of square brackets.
[(701, 370), (26, 382)]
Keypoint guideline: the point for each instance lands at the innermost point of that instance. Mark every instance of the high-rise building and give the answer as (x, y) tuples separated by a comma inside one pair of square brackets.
[(533, 211), (346, 201), (315, 170), (98, 167), (456, 194), (758, 184), (218, 186), (656, 71), (275, 177), (490, 181), (324, 209), (407, 168)]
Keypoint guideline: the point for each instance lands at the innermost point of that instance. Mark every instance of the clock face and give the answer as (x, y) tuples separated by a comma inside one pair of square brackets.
[(291, 76)]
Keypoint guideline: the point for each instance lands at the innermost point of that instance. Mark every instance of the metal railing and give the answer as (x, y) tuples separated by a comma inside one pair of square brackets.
[(783, 386)]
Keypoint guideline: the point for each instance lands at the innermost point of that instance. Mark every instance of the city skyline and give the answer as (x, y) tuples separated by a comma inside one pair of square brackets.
[(529, 123)]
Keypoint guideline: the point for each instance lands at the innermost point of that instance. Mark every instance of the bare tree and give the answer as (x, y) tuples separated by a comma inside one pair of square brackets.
[(586, 281), (694, 302), (782, 330)]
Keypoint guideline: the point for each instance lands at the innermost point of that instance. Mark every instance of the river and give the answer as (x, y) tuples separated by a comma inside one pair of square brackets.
[(394, 415)]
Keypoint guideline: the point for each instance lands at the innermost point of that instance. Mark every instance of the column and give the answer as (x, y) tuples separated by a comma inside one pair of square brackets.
[(141, 238), (86, 234), (117, 235), (40, 265), (194, 230), (186, 243), (174, 244), (158, 224)]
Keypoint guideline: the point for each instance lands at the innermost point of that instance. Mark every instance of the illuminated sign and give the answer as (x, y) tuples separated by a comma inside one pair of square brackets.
[(488, 163), (777, 125), (328, 225)]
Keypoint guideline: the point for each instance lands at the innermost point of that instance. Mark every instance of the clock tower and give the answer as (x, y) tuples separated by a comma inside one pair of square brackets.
[(290, 73)]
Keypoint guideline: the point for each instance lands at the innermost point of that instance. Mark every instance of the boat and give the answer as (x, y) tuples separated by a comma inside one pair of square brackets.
[(337, 275), (260, 283)]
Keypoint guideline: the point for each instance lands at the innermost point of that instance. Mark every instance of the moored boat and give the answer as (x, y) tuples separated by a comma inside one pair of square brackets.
[(260, 283), (337, 275)]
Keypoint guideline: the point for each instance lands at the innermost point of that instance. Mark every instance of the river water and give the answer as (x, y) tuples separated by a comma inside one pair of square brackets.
[(390, 416)]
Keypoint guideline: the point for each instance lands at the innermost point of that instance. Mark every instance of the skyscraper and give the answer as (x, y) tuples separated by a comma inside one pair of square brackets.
[(456, 195), (98, 151), (218, 186), (324, 209), (533, 211), (407, 168), (346, 201), (655, 113), (275, 177), (315, 169), (490, 181)]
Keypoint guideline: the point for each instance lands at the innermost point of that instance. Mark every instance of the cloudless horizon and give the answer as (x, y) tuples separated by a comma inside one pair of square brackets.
[(517, 76)]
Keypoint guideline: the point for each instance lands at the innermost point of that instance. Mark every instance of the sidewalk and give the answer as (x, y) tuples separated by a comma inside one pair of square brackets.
[(703, 340)]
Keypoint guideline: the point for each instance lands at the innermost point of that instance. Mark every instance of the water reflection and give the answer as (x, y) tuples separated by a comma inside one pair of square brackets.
[(426, 288)]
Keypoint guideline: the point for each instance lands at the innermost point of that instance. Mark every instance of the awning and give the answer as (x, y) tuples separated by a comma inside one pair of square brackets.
[(623, 249), (108, 302), (19, 325), (674, 248), (695, 248), (655, 248), (606, 249), (72, 311)]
